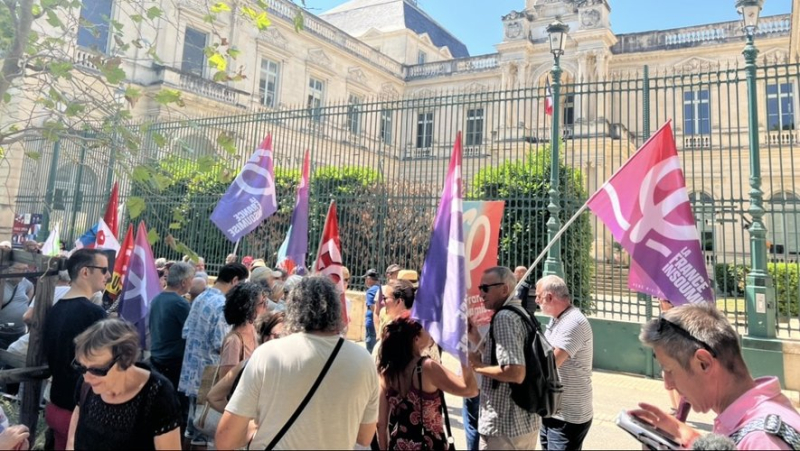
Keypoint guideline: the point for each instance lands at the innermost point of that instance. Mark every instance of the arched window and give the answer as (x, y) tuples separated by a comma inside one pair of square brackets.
[(785, 219), (704, 216)]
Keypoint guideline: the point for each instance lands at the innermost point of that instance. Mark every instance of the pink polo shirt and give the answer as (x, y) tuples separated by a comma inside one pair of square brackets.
[(763, 399)]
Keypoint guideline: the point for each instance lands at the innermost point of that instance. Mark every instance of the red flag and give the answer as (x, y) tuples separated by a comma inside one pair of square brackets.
[(548, 100), (647, 209), (329, 256), (121, 265), (111, 211)]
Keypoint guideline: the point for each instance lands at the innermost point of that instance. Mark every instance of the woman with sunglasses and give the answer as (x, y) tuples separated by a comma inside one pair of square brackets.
[(121, 403), (243, 304), (269, 326), (412, 387)]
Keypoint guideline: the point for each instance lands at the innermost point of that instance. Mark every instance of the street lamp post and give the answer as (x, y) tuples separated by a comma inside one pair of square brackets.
[(558, 39), (759, 292)]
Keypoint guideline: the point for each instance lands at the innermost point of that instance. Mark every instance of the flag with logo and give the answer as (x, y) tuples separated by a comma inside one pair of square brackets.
[(251, 197), (52, 246), (646, 207), (329, 256), (548, 98), (111, 217), (114, 286), (141, 285), (292, 253), (441, 298)]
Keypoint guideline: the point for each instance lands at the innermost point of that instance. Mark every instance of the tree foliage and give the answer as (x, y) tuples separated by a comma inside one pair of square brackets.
[(524, 185)]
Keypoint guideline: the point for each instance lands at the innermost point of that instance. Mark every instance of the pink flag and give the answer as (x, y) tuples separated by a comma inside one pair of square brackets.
[(548, 100), (646, 207)]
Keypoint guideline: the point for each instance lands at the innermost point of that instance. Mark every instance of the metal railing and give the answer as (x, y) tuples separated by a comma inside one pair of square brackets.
[(386, 174)]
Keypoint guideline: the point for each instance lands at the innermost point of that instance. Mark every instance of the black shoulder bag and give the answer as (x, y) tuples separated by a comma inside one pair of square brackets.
[(308, 397)]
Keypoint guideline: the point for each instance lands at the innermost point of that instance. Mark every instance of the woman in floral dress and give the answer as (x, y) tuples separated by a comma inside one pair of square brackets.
[(412, 389)]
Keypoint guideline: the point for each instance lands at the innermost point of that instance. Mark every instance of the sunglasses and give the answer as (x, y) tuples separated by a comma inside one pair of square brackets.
[(663, 324), (94, 371), (102, 269), (485, 287)]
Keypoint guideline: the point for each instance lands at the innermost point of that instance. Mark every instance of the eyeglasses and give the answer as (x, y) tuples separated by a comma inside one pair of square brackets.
[(663, 323), (94, 371), (102, 269), (485, 287)]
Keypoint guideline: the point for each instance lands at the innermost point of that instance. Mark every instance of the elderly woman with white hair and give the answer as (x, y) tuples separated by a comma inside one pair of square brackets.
[(313, 370)]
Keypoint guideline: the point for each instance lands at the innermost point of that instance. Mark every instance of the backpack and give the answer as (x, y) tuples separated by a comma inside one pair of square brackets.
[(541, 391), (771, 424)]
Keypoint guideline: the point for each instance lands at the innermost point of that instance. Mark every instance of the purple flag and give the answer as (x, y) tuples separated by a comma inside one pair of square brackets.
[(647, 209), (141, 285), (297, 240), (441, 299), (251, 197)]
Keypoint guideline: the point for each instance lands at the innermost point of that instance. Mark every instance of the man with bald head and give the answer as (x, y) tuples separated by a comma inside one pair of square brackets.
[(519, 272), (570, 334), (198, 286)]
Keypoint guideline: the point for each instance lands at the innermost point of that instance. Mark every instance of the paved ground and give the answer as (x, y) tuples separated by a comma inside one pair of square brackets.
[(613, 392)]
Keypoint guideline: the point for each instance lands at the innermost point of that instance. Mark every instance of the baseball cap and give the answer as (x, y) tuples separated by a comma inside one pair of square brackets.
[(372, 273)]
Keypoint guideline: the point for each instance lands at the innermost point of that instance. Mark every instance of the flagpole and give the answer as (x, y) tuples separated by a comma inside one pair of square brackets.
[(236, 248)]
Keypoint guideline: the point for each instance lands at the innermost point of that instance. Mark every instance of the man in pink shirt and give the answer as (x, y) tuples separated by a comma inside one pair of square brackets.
[(700, 357)]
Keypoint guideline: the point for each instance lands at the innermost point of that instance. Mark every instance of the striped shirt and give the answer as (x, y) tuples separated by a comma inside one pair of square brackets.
[(573, 334)]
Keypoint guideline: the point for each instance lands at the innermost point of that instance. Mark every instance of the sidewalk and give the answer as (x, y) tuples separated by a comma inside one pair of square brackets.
[(613, 392)]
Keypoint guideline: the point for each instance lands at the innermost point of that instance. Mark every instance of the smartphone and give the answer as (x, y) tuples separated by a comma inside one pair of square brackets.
[(647, 434)]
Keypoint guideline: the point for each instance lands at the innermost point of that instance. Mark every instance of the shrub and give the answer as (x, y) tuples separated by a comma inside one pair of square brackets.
[(786, 277), (524, 186)]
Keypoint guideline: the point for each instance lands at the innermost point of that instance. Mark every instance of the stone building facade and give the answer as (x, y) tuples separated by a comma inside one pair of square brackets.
[(369, 51)]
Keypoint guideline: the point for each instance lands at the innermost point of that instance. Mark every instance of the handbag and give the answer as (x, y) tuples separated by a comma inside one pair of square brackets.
[(206, 418), (305, 401)]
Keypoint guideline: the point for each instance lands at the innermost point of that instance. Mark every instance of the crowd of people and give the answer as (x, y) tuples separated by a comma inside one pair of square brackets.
[(255, 357)]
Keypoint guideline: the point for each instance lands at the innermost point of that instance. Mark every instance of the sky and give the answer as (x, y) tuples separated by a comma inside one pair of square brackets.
[(477, 23)]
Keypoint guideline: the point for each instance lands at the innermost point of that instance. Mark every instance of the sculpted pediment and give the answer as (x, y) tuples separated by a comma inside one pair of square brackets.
[(388, 92), (695, 64), (318, 57), (357, 75), (273, 37)]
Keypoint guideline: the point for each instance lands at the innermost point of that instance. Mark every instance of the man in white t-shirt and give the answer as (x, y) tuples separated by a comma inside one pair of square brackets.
[(341, 414)]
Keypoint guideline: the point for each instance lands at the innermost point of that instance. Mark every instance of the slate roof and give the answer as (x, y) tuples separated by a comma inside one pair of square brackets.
[(356, 17)]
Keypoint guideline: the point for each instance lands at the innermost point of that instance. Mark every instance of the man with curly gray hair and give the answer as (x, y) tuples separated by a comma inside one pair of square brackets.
[(342, 412)]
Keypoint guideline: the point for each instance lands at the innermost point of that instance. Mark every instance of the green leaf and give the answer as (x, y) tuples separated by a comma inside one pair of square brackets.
[(161, 181), (36, 10), (159, 139), (262, 4), (262, 22), (6, 98), (60, 69), (167, 96), (299, 21), (220, 7), (116, 25), (74, 109), (141, 174), (113, 73), (152, 237), (33, 155), (209, 18), (136, 206), (153, 12), (175, 225), (249, 12), (220, 76), (218, 61), (227, 142), (233, 53), (53, 20), (136, 18), (132, 95)]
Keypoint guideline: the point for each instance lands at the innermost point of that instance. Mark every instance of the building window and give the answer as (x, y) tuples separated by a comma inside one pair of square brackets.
[(422, 57), (569, 109), (424, 130), (696, 113), (354, 114), (474, 127), (93, 30), (268, 85), (780, 106), (386, 126), (316, 89), (194, 57)]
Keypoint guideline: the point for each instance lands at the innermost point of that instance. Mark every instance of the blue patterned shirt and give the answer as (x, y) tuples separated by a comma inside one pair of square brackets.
[(204, 331)]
